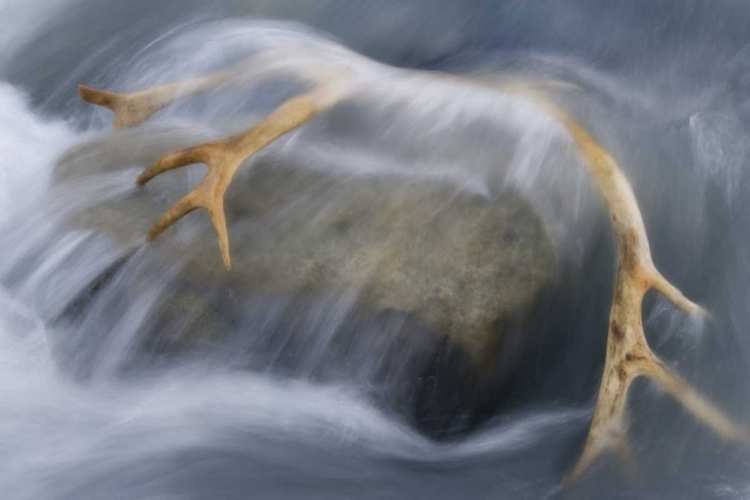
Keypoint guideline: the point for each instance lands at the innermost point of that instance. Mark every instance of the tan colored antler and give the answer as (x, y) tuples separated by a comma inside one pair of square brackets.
[(628, 354)]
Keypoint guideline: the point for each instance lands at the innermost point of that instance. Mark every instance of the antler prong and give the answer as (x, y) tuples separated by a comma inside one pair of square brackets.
[(130, 109), (215, 210), (671, 292), (98, 97), (696, 404), (177, 159), (187, 204)]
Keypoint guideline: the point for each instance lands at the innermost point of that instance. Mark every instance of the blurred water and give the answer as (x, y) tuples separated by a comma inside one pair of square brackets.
[(664, 85)]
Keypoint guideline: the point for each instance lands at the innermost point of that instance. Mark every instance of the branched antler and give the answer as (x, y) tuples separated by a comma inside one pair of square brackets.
[(223, 157), (628, 355)]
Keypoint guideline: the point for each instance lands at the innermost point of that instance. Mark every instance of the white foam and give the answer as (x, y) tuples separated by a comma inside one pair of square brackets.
[(28, 147)]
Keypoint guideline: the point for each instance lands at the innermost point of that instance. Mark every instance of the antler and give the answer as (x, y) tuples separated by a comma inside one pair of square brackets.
[(628, 355)]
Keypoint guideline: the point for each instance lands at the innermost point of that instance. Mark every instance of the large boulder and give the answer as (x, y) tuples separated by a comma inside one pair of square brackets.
[(433, 281)]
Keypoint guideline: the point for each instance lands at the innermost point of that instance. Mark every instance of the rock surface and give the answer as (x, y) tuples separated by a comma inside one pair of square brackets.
[(443, 276)]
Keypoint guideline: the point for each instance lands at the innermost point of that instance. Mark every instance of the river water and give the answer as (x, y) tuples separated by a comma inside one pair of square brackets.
[(666, 85)]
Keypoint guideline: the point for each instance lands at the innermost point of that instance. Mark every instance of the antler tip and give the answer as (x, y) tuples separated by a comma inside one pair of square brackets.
[(143, 178), (227, 262), (96, 96), (224, 247), (153, 233), (84, 90)]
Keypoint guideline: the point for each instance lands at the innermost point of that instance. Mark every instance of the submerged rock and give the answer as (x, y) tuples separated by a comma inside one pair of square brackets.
[(412, 286)]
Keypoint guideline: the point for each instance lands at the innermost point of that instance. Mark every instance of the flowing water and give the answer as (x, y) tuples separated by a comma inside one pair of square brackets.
[(664, 84)]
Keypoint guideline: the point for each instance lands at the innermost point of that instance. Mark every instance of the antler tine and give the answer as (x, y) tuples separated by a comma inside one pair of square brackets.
[(196, 154), (197, 199), (135, 108), (675, 296), (696, 404), (628, 355)]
